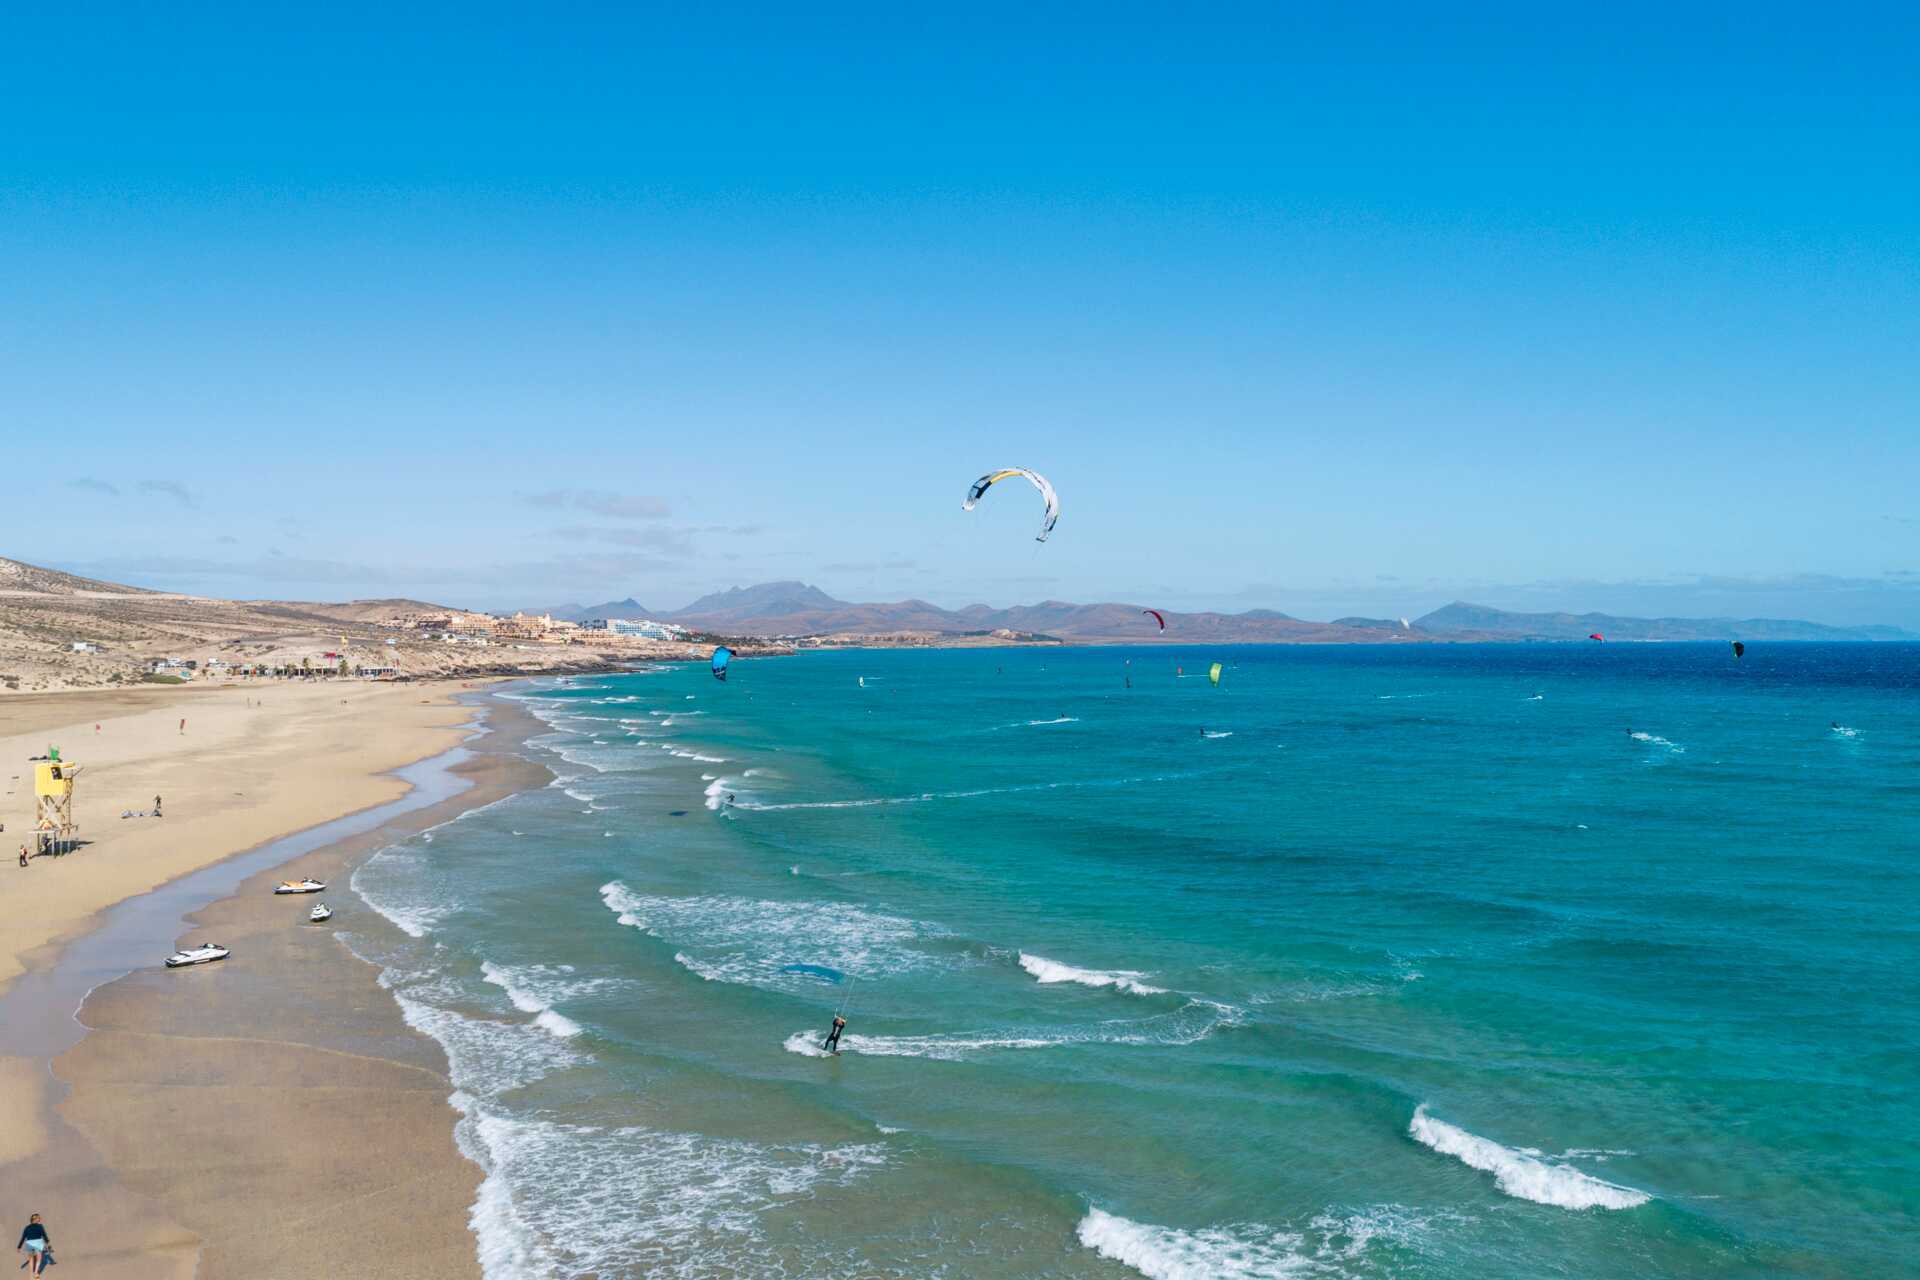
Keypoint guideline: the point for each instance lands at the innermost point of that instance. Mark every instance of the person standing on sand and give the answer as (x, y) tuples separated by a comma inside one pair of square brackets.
[(156, 806), (35, 1240), (183, 724)]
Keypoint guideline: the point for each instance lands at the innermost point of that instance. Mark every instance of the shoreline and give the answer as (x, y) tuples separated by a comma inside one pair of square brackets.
[(220, 1122)]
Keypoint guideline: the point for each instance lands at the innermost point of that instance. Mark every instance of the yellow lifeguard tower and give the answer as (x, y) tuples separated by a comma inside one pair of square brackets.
[(53, 826)]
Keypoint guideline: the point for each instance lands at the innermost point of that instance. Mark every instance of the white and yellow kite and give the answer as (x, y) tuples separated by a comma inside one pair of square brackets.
[(992, 478)]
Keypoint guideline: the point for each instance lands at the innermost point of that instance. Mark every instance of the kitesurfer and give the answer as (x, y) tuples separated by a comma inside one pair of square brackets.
[(832, 1044)]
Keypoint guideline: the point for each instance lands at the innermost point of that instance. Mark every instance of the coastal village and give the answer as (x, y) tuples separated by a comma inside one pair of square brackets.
[(58, 631)]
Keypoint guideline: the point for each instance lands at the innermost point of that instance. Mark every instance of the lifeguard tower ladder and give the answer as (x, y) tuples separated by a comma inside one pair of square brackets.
[(54, 830)]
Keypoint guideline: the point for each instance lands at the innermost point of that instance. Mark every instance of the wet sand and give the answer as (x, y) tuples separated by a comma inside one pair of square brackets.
[(249, 765), (267, 1116)]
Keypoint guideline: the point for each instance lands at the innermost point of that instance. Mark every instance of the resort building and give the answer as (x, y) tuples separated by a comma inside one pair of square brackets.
[(644, 627)]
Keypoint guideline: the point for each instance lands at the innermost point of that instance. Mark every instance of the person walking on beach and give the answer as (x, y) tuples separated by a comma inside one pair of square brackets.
[(36, 1242), (833, 1037)]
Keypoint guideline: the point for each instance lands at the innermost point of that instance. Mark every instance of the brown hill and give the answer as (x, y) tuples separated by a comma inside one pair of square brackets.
[(20, 578), (60, 631)]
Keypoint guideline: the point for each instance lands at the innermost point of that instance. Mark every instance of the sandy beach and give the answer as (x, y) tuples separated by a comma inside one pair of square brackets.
[(230, 1121)]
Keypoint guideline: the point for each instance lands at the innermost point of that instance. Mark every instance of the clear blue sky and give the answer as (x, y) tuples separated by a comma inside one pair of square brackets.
[(1323, 308)]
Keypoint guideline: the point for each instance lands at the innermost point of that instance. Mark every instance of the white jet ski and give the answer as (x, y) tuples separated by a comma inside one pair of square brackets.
[(320, 913), (308, 885), (205, 953)]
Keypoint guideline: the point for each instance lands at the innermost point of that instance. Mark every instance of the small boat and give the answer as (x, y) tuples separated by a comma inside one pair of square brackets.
[(205, 953), (319, 913), (308, 885)]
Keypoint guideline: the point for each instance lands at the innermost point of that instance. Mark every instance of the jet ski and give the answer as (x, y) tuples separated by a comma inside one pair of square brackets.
[(320, 913), (205, 953), (308, 885)]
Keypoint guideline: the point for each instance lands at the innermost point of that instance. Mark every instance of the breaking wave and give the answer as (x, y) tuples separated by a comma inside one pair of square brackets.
[(1047, 972), (526, 1000), (1216, 1253), (1523, 1176), (1340, 1242)]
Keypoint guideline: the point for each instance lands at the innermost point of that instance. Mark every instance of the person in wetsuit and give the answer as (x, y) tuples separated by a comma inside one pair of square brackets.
[(833, 1037)]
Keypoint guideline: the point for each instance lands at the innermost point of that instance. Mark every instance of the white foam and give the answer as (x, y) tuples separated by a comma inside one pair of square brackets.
[(1034, 724), (749, 941), (926, 796), (733, 969), (557, 1024), (691, 755), (1655, 740), (488, 1058), (1051, 971), (1343, 1235), (1842, 731), (1216, 733), (1190, 1024), (1525, 1177), (572, 1200), (414, 920), (1214, 1253), (806, 1044), (523, 1000), (528, 1000), (506, 1247)]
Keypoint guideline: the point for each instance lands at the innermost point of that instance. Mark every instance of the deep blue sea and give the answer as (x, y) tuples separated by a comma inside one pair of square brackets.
[(1471, 961)]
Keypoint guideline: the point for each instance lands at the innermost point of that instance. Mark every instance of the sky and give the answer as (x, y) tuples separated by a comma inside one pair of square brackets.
[(1329, 309)]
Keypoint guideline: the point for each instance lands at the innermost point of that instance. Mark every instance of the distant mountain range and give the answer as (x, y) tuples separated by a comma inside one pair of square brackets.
[(628, 608), (1478, 620), (797, 609)]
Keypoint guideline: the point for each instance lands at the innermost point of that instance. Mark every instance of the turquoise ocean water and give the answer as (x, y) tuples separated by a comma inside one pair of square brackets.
[(1464, 961)]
